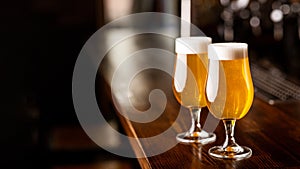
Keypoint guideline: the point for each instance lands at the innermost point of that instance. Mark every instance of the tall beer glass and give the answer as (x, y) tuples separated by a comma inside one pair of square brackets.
[(189, 84), (230, 93)]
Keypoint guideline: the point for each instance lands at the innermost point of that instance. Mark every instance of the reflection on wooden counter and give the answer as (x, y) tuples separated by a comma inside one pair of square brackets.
[(270, 131)]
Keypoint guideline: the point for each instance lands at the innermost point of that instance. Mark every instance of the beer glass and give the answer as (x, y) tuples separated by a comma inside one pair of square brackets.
[(229, 93), (189, 82)]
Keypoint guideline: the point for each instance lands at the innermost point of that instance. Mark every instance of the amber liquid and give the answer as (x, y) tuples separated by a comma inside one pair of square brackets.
[(235, 90), (193, 93)]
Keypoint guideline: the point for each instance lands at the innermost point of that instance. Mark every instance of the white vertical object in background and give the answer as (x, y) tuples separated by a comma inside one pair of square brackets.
[(181, 62), (185, 18)]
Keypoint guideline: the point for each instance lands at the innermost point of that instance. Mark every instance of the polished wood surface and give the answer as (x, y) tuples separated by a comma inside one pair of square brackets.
[(272, 132)]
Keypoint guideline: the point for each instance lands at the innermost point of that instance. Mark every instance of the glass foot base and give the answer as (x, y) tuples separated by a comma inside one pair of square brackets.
[(237, 153), (202, 137)]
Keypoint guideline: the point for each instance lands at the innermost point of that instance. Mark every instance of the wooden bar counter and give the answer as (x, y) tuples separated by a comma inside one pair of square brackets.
[(272, 132)]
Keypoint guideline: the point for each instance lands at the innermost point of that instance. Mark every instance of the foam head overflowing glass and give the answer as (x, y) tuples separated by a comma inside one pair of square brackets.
[(229, 93), (189, 82)]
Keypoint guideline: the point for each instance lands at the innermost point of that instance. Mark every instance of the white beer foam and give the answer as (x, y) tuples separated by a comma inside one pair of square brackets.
[(192, 45), (227, 51)]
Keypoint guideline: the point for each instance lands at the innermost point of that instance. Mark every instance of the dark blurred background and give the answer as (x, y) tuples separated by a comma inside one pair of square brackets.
[(40, 41)]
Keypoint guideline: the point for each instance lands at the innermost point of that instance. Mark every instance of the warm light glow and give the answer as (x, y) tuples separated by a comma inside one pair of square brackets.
[(116, 8), (254, 21), (254, 6), (276, 15), (285, 9), (239, 4)]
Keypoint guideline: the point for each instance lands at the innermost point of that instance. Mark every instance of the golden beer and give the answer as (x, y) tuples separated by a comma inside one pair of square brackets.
[(193, 93), (230, 93), (235, 94), (189, 84)]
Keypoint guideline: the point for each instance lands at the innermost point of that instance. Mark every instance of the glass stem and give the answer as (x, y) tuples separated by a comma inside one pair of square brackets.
[(195, 113), (230, 144)]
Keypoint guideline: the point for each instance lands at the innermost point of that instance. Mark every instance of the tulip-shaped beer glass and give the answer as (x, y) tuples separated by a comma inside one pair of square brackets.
[(229, 93), (189, 84)]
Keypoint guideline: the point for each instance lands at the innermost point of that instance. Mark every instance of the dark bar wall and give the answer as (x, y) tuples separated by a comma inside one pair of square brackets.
[(270, 27), (40, 41)]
